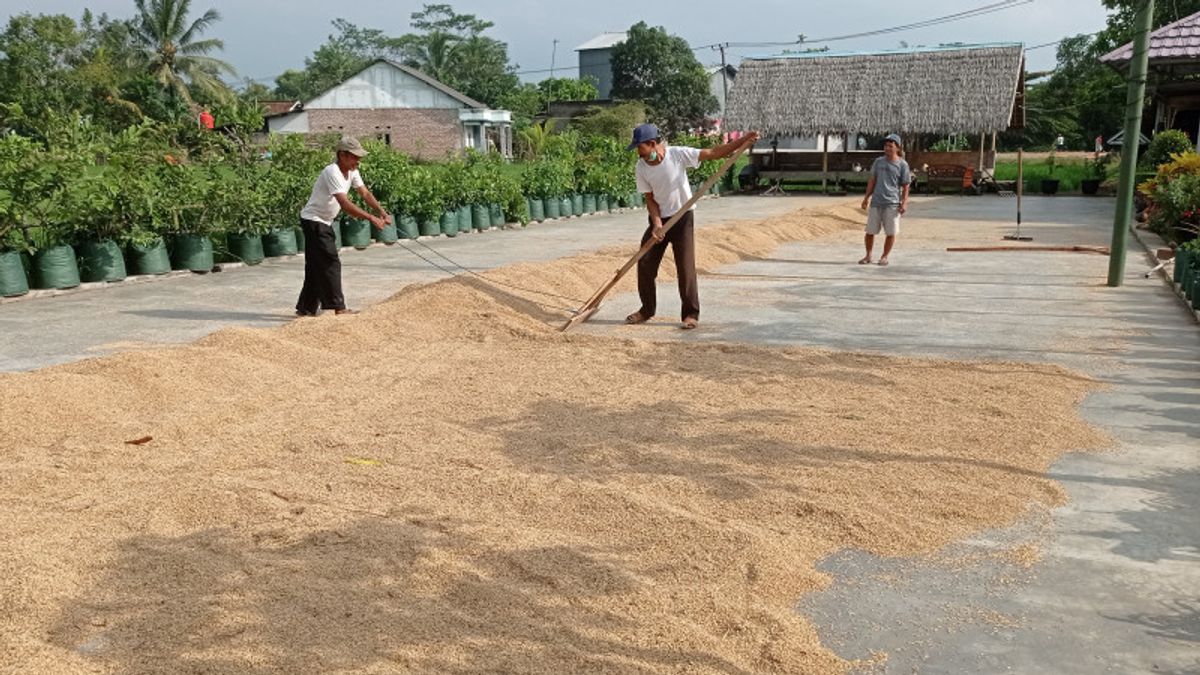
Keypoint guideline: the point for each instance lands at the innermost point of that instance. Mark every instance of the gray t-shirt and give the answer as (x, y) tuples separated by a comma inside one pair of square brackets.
[(890, 179)]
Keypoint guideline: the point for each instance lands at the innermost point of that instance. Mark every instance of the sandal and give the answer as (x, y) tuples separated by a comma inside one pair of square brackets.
[(883, 262), (865, 261), (636, 317), (690, 323)]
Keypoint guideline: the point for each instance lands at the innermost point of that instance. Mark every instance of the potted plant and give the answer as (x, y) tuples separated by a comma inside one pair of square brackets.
[(13, 279), (190, 219), (1097, 172), (1050, 183)]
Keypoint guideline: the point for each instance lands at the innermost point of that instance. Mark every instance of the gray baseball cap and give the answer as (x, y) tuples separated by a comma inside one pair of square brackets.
[(895, 138), (351, 145)]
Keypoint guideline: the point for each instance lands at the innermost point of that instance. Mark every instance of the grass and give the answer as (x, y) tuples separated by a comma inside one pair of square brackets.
[(1069, 173)]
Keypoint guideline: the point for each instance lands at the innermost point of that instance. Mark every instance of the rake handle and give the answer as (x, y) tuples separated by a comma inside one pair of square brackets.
[(594, 301)]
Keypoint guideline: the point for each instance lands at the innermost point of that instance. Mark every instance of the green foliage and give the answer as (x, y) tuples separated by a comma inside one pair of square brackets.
[(548, 177), (344, 53), (662, 71), (616, 121), (1164, 145), (706, 169), (951, 144), (568, 89), (604, 166), (1174, 196), (451, 48)]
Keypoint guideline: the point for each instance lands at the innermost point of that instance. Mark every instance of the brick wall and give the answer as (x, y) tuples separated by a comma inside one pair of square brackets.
[(425, 133)]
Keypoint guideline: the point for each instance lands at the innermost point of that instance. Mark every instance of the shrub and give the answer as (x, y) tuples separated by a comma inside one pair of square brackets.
[(1164, 145)]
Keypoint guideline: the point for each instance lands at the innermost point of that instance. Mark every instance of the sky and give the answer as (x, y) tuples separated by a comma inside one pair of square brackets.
[(263, 38)]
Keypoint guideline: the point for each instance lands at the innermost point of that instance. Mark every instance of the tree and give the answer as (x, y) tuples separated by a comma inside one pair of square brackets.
[(568, 89), (174, 55), (452, 49), (1119, 26), (345, 53), (661, 71), (39, 55)]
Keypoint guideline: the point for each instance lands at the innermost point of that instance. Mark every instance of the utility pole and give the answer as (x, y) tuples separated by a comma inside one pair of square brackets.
[(724, 79), (1129, 148), (553, 54)]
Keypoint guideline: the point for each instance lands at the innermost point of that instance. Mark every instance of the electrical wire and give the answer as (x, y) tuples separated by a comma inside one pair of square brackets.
[(494, 282)]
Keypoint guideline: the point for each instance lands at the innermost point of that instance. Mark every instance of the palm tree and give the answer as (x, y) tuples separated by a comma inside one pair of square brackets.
[(173, 54), (432, 54)]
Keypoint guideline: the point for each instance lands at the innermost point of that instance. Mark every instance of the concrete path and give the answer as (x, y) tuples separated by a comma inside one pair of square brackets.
[(1114, 584), (1112, 580), (42, 331)]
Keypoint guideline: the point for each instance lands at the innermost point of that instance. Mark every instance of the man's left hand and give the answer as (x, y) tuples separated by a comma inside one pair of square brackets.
[(903, 207)]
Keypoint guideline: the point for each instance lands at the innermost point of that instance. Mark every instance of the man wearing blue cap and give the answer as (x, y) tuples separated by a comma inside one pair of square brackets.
[(662, 177), (887, 192)]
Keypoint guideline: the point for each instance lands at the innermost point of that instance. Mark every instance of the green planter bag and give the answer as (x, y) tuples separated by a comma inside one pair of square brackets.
[(449, 223), (537, 211), (589, 203), (389, 234), (464, 218), (13, 281), (565, 208), (551, 205), (577, 204), (280, 241), (146, 259), (602, 203), (100, 260), (407, 228), (1182, 260), (481, 219), (192, 252), (299, 238), (430, 228), (55, 268), (497, 215), (246, 247), (356, 233)]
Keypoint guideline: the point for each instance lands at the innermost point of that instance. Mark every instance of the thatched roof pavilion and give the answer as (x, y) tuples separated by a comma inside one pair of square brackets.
[(956, 89)]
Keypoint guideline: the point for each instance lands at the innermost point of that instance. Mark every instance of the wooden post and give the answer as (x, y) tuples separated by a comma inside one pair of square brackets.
[(982, 138), (825, 165), (993, 166)]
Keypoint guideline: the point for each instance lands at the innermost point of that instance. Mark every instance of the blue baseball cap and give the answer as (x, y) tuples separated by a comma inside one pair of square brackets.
[(643, 133), (895, 138)]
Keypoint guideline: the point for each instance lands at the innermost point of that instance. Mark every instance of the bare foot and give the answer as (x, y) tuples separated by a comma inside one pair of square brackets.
[(345, 311), (636, 317), (865, 261), (883, 261), (690, 323)]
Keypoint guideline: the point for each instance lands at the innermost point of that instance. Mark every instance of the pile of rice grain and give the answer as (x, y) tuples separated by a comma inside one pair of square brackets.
[(446, 483)]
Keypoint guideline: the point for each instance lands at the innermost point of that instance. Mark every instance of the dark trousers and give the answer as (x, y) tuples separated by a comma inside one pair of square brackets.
[(682, 239), (322, 270)]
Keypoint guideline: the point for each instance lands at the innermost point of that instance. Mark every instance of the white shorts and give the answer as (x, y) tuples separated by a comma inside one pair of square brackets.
[(886, 218)]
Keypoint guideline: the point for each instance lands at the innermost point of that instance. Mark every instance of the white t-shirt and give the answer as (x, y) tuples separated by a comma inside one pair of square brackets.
[(322, 206), (668, 180)]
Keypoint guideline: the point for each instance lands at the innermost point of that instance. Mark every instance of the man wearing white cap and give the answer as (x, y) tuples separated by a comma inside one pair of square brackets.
[(662, 176), (887, 193), (322, 266)]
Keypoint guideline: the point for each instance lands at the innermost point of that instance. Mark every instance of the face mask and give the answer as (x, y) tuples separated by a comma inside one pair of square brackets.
[(653, 156)]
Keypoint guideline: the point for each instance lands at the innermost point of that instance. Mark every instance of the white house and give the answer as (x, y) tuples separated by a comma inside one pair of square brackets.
[(405, 108)]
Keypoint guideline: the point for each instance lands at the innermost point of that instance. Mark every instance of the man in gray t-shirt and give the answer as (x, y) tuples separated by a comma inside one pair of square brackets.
[(887, 194)]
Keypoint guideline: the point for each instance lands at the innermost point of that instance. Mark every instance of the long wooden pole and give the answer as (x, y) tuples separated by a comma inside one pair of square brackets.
[(589, 308), (1129, 150)]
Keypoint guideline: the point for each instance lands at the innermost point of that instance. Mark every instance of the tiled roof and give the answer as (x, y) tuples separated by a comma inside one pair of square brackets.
[(1172, 42)]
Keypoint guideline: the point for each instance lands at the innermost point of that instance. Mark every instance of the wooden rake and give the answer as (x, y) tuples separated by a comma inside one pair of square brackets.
[(593, 304)]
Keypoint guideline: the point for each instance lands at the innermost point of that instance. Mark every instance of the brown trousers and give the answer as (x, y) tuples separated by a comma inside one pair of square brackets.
[(682, 239)]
